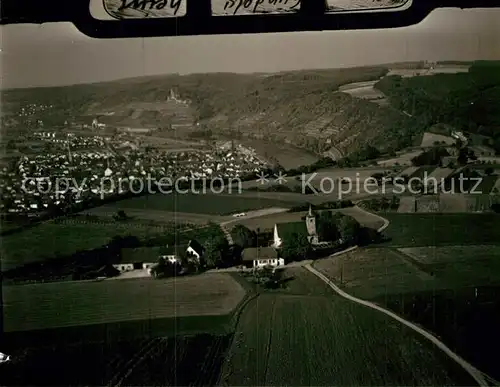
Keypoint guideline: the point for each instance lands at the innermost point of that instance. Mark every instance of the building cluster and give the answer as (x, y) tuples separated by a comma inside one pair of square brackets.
[(70, 139), (459, 136), (32, 109), (147, 258), (84, 168)]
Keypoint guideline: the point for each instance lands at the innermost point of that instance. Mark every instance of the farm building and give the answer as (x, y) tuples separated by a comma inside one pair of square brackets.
[(173, 254), (194, 248), (307, 227), (144, 258), (261, 256), (137, 258)]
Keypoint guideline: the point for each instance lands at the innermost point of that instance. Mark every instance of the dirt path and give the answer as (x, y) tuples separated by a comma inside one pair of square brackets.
[(471, 370), (250, 214), (476, 374)]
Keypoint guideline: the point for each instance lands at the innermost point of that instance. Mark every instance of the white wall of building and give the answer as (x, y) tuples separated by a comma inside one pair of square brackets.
[(266, 262)]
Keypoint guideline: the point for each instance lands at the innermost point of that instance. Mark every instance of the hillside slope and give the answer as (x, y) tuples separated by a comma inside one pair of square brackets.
[(303, 108)]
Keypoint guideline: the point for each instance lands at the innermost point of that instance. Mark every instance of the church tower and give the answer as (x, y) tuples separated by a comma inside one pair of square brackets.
[(311, 222)]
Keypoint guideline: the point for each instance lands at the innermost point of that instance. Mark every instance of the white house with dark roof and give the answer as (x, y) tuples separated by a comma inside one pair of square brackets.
[(257, 257), (194, 249)]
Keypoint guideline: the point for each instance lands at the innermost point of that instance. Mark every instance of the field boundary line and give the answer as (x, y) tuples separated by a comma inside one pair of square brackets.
[(235, 319), (471, 370), (477, 375), (270, 340)]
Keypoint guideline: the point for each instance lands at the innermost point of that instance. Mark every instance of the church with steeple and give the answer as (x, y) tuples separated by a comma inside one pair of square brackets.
[(306, 227)]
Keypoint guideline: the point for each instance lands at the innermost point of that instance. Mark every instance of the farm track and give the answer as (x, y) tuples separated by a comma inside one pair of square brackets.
[(472, 371), (270, 341), (478, 376)]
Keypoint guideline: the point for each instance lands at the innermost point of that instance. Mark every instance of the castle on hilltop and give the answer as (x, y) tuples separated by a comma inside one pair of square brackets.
[(174, 97)]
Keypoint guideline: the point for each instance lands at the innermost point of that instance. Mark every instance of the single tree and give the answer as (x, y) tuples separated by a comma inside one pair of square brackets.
[(216, 249), (243, 236), (349, 229), (327, 227)]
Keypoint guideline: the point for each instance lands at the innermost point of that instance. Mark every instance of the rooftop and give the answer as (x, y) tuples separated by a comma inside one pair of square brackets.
[(140, 255), (253, 253)]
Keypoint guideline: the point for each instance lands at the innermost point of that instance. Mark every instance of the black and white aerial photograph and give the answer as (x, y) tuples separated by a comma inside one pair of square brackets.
[(281, 209)]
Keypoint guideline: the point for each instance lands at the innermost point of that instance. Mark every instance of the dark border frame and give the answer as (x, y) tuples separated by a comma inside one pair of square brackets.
[(199, 21)]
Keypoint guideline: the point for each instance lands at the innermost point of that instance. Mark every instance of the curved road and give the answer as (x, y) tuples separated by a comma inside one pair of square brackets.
[(479, 377), (471, 370)]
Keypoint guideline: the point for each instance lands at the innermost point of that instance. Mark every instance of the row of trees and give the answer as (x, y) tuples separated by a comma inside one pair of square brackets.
[(330, 205), (341, 229)]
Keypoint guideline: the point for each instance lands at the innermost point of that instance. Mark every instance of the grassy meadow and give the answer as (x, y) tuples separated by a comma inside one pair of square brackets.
[(306, 335), (413, 230), (203, 203)]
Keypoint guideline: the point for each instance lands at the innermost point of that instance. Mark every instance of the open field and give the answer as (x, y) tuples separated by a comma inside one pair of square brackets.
[(440, 173), (413, 230), (267, 222), (39, 306), (487, 184), (365, 218), (452, 291), (401, 159), (210, 204), (321, 339), (339, 173), (375, 272), (408, 171), (459, 266), (407, 204), (364, 90), (452, 69), (447, 203), (429, 140), (163, 361), (157, 215), (48, 239)]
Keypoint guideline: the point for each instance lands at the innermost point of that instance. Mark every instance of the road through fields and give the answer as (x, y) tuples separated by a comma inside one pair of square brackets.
[(476, 374)]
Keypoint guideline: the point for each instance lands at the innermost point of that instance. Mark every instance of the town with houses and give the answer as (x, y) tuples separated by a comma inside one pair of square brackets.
[(89, 160)]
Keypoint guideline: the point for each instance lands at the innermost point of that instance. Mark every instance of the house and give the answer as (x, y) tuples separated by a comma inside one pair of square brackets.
[(140, 258), (172, 254), (257, 257), (306, 227), (194, 249), (144, 258), (459, 136)]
